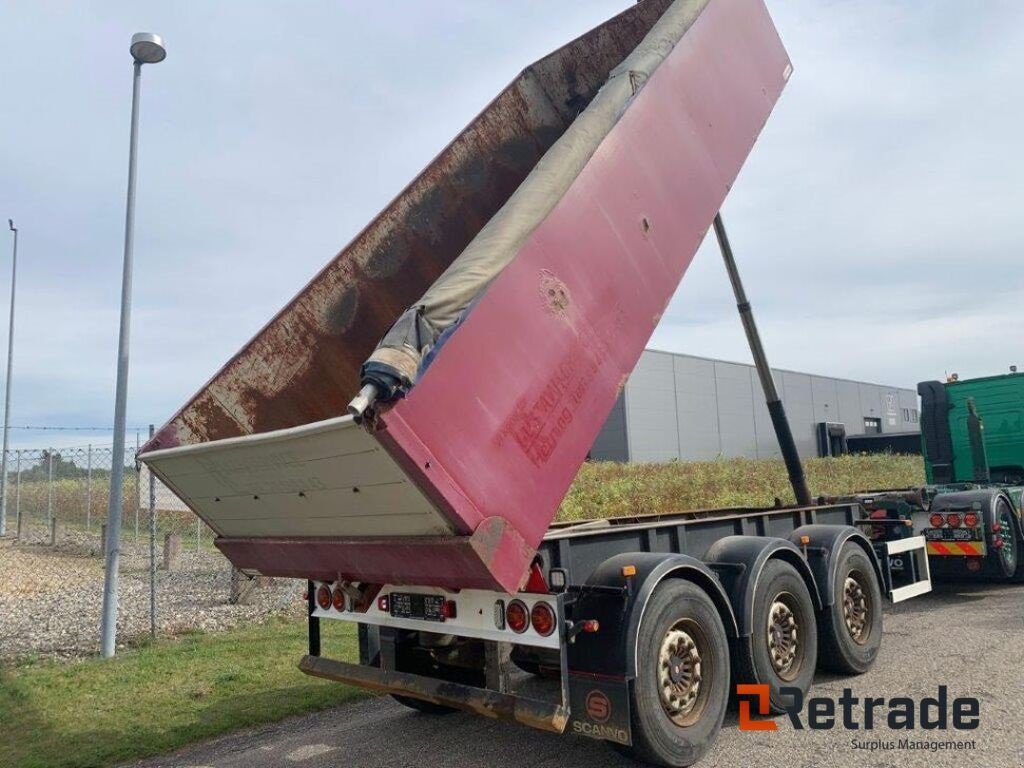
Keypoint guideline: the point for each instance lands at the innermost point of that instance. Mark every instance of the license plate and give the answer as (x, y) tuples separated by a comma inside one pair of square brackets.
[(405, 605), (950, 534)]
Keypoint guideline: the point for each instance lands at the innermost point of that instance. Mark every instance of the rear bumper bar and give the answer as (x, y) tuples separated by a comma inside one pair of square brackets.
[(545, 716)]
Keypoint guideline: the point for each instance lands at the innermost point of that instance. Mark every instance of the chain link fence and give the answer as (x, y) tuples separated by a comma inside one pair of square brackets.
[(172, 577)]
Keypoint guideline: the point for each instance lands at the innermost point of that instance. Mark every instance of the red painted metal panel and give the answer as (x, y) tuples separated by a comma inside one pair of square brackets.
[(511, 406), (494, 557)]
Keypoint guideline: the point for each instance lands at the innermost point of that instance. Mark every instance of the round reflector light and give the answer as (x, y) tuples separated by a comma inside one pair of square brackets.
[(338, 599), (936, 521), (543, 619), (517, 616), (971, 519), (953, 520), (323, 596)]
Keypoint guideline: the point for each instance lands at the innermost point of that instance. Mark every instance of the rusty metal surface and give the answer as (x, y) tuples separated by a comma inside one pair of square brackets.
[(303, 366), (543, 715)]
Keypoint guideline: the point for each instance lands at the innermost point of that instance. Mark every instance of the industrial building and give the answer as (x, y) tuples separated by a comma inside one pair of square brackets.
[(692, 408)]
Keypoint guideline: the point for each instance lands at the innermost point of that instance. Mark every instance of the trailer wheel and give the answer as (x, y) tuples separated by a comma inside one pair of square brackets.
[(1007, 556), (681, 690), (850, 630), (783, 648)]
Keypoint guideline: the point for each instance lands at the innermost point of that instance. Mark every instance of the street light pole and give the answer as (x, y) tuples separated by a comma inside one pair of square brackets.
[(7, 385), (145, 49)]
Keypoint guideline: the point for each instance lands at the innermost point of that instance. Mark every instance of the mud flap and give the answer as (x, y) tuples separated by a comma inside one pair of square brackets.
[(599, 708)]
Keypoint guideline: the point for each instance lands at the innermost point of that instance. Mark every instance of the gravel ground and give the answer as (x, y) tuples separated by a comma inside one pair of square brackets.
[(51, 597), (970, 638)]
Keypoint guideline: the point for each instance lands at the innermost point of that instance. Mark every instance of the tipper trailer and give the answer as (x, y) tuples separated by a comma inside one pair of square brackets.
[(488, 319)]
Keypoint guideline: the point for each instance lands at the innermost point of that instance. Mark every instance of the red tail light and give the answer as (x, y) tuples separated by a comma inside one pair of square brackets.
[(323, 597), (543, 619), (449, 610), (517, 616), (971, 519), (936, 520), (953, 520), (338, 599)]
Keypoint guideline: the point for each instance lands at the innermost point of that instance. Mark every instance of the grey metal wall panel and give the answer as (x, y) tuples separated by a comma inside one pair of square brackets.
[(909, 414), (735, 410), (611, 443), (799, 402), (696, 408), (767, 445), (651, 420), (850, 412), (693, 408), (825, 395), (873, 405)]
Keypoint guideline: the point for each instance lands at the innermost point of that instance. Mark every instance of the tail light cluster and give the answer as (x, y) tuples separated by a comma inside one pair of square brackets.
[(518, 617), (954, 520), (330, 598)]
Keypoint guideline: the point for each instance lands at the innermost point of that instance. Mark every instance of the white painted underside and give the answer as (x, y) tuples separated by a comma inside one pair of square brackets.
[(329, 478)]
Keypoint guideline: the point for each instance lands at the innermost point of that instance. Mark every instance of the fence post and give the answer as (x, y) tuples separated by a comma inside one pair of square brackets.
[(17, 496), (49, 486), (53, 531), (172, 551), (152, 547), (88, 488), (138, 488)]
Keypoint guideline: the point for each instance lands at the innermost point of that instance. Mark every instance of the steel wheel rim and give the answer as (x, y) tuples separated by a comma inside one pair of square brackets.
[(783, 636), (684, 660), (857, 608), (1007, 551)]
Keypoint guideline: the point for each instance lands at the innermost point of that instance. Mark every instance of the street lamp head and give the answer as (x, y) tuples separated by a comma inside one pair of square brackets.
[(10, 223), (147, 48)]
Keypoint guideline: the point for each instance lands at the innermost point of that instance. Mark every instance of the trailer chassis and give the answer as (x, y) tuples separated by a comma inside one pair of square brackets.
[(608, 574)]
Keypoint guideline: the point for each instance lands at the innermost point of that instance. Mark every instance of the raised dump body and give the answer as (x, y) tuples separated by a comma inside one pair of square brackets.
[(456, 484)]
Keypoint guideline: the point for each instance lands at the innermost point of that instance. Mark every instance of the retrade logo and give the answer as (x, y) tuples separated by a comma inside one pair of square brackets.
[(599, 707), (763, 697), (852, 713)]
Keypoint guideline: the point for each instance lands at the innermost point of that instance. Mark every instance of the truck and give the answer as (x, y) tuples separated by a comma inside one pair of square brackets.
[(401, 434), (970, 509)]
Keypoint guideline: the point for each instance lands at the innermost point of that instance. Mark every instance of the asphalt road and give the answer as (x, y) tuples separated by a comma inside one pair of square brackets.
[(970, 638)]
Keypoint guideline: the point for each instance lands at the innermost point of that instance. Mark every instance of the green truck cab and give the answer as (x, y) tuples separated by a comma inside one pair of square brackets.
[(955, 414)]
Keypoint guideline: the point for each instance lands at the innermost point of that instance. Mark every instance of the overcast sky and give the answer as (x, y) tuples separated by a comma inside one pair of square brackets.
[(877, 221)]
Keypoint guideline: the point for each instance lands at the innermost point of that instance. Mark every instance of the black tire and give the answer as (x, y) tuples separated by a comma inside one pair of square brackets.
[(782, 649), (679, 613), (426, 707), (842, 649), (1007, 560)]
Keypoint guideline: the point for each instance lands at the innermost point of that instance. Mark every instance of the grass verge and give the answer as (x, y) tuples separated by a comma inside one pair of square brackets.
[(610, 489), (162, 696)]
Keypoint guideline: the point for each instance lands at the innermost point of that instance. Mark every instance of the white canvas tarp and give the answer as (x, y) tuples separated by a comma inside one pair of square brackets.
[(403, 347)]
